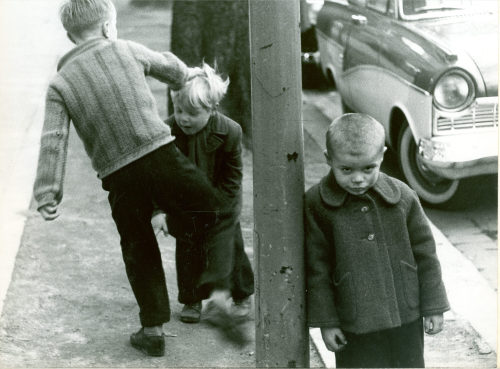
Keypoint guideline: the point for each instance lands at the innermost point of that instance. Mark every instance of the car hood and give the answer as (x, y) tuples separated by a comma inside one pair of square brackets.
[(476, 35)]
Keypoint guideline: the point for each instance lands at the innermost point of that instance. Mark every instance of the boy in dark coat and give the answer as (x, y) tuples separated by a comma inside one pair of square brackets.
[(372, 268), (212, 142)]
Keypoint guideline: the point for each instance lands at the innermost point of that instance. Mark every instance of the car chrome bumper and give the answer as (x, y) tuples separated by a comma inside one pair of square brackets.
[(481, 114), (461, 156)]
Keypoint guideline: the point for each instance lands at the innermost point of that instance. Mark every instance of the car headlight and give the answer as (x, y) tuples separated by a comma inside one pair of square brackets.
[(454, 90)]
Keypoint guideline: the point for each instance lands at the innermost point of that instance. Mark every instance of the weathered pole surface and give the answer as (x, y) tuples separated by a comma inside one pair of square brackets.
[(282, 338)]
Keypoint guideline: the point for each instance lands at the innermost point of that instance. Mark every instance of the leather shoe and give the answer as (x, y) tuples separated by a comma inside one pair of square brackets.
[(191, 313), (150, 345), (240, 308)]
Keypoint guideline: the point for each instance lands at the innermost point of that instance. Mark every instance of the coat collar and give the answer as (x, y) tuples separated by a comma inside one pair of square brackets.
[(216, 126), (80, 49), (211, 134), (215, 130), (332, 194)]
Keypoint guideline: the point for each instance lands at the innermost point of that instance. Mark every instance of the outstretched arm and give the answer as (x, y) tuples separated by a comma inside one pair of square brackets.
[(165, 66), (48, 188)]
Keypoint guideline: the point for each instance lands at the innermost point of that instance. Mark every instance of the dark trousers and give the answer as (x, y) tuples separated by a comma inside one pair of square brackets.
[(169, 179), (401, 347), (190, 261)]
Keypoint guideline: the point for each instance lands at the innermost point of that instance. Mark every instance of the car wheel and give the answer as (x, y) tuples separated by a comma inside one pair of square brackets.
[(431, 188)]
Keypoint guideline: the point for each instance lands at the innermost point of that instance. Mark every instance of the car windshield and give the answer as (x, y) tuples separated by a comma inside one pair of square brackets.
[(442, 8)]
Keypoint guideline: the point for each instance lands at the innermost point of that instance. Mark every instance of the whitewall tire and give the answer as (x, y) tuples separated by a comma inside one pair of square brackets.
[(431, 188)]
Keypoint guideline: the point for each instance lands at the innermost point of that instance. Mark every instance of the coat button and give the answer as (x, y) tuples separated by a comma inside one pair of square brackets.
[(364, 209), (371, 237)]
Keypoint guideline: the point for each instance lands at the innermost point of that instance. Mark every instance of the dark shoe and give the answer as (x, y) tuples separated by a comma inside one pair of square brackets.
[(216, 313), (241, 308), (191, 313), (232, 328), (150, 345)]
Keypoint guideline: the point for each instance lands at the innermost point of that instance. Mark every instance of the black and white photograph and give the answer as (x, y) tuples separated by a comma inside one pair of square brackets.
[(249, 183)]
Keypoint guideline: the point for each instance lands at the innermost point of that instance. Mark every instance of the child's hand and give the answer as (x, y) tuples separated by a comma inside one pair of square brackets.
[(334, 338), (49, 212), (159, 224), (433, 324), (194, 72)]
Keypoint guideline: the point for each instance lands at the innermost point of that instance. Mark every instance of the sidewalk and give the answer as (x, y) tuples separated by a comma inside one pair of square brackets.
[(31, 42), (69, 303)]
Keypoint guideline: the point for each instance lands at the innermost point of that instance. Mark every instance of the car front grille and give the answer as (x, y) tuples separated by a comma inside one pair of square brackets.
[(481, 115)]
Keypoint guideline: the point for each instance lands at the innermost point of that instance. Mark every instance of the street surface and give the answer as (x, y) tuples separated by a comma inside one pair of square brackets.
[(69, 303), (471, 226)]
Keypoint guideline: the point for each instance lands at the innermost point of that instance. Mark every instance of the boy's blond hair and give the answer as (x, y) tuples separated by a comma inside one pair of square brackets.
[(205, 90), (81, 15), (355, 130)]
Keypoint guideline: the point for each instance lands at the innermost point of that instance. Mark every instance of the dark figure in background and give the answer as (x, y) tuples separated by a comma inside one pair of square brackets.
[(216, 31)]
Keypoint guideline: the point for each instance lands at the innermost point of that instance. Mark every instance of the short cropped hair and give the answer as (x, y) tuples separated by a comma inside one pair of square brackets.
[(355, 130), (205, 90), (80, 15)]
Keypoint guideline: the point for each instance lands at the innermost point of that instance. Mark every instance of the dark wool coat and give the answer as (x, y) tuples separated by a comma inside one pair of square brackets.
[(371, 259), (218, 155)]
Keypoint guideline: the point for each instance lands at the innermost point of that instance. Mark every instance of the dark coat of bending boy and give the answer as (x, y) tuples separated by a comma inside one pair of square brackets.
[(373, 277), (213, 142)]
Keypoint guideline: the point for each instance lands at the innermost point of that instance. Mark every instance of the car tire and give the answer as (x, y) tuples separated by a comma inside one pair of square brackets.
[(432, 189)]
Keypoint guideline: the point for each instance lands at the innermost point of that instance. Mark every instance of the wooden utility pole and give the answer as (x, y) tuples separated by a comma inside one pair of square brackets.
[(282, 338)]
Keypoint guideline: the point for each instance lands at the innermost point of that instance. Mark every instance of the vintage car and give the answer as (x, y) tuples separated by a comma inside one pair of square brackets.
[(428, 71)]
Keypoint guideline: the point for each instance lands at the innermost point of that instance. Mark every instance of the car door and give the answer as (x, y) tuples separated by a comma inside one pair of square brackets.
[(361, 56), (332, 30)]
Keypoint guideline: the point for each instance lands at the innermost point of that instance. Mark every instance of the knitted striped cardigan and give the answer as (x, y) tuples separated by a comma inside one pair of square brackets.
[(101, 87)]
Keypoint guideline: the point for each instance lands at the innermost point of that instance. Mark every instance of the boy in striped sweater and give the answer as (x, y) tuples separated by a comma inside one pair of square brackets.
[(101, 87)]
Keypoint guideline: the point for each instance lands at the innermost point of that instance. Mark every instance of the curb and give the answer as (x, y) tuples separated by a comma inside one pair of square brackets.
[(22, 93), (470, 295)]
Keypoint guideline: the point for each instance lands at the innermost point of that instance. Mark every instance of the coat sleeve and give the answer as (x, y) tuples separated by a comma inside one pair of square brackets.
[(165, 66), (229, 182), (433, 299), (321, 309), (48, 188)]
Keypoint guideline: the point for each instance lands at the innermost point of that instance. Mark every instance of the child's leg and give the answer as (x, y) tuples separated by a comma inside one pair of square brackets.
[(407, 344), (131, 209), (189, 263), (371, 350), (242, 276), (218, 246), (181, 188)]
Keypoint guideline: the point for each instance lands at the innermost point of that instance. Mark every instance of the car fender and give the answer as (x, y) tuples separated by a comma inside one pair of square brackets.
[(397, 93)]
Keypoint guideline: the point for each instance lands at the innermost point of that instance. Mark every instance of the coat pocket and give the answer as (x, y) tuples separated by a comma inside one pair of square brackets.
[(345, 297), (409, 274)]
